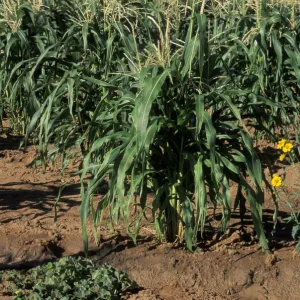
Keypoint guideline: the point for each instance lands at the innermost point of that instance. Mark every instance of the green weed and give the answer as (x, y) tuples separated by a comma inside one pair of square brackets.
[(68, 278)]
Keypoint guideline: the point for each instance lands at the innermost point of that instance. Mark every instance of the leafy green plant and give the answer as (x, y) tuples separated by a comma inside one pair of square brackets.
[(68, 278), (159, 96)]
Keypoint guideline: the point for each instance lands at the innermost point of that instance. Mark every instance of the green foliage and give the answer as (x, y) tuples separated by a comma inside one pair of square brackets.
[(294, 218), (290, 159), (158, 97), (69, 278)]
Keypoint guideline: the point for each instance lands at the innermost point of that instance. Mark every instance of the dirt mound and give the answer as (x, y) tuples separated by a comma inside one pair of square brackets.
[(171, 273)]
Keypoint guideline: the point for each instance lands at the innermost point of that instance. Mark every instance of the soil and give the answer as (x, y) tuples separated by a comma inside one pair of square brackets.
[(228, 266)]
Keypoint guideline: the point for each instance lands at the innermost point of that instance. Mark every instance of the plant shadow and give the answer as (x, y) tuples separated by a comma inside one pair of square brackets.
[(39, 202), (278, 236)]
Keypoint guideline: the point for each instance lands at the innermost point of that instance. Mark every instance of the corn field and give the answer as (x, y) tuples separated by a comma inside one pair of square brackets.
[(160, 96)]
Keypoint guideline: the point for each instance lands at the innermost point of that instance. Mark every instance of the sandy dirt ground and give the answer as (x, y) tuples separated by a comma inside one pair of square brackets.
[(231, 266)]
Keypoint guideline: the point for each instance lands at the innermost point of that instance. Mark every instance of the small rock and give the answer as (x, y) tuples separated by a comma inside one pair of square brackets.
[(174, 262), (271, 259), (36, 222), (231, 251)]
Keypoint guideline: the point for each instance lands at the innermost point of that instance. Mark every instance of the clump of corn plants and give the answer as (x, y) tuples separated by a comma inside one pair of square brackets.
[(159, 96)]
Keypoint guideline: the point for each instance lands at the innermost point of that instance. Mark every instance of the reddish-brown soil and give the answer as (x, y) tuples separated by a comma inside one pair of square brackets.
[(231, 266)]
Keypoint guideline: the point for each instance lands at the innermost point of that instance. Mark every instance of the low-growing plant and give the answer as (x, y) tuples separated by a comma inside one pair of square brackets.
[(69, 278)]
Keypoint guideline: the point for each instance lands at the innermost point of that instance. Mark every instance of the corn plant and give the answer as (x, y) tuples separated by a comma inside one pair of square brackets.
[(183, 137), (159, 96)]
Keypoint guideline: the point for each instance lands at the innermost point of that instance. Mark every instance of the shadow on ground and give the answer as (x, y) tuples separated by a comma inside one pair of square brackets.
[(17, 195)]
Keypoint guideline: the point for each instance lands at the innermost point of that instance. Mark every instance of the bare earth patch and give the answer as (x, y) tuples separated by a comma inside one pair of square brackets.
[(231, 266)]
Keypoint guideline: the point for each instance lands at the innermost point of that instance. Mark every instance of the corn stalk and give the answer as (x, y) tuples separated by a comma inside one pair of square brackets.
[(156, 98)]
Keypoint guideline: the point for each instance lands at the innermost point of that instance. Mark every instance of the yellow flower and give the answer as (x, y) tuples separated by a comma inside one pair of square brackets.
[(17, 292), (287, 147), (276, 181), (282, 157), (281, 143)]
